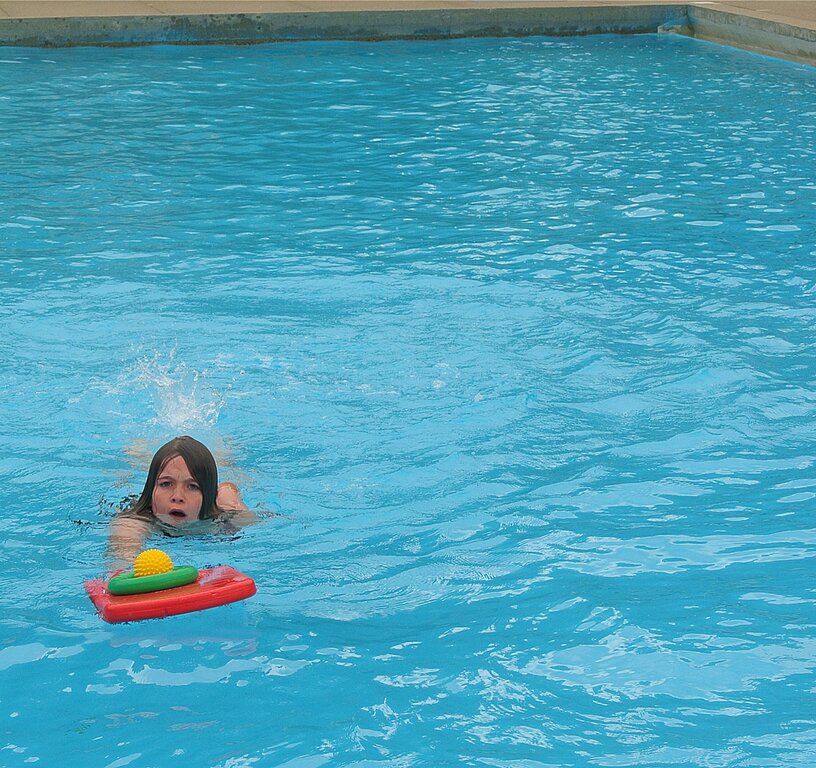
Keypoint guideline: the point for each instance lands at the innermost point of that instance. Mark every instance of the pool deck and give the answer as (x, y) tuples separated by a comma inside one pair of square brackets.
[(784, 28)]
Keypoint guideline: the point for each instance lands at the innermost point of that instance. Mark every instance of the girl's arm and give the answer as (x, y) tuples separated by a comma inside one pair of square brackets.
[(229, 500), (126, 540)]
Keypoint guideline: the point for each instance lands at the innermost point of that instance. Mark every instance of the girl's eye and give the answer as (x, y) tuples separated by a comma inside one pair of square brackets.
[(164, 484), (193, 487)]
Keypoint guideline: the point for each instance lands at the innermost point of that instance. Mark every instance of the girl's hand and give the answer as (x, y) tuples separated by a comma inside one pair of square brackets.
[(229, 497)]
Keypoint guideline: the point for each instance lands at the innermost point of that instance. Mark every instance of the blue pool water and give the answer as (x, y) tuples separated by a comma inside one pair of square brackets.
[(514, 337)]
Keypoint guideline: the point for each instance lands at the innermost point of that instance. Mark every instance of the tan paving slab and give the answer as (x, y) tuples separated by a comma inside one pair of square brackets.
[(35, 9), (41, 9), (796, 13), (788, 10), (191, 8), (96, 8), (427, 5)]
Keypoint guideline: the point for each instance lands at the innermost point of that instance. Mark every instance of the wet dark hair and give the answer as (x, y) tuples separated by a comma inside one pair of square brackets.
[(202, 467)]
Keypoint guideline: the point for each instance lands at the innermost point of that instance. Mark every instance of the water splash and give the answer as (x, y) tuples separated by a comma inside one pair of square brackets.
[(183, 397)]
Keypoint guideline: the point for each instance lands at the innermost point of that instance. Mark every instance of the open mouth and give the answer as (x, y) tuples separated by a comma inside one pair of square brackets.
[(178, 514)]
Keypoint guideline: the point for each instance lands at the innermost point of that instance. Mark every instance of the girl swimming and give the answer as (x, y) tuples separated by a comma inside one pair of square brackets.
[(182, 496)]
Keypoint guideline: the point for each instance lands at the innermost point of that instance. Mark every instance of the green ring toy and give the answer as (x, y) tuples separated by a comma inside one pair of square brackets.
[(129, 584)]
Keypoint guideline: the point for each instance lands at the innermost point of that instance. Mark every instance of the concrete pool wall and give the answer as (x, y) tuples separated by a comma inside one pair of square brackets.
[(775, 27)]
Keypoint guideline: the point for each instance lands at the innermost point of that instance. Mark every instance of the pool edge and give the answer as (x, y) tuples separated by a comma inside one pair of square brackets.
[(780, 39), (247, 28), (769, 36)]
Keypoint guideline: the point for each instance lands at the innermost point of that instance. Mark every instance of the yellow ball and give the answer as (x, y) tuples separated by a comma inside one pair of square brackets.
[(152, 562)]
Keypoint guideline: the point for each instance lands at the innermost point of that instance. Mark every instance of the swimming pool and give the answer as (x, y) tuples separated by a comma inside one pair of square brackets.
[(514, 336)]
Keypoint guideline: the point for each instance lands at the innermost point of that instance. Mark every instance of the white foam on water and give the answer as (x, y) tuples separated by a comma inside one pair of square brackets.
[(183, 397)]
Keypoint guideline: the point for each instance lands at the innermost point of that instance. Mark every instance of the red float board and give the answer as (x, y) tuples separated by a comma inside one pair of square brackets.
[(214, 586)]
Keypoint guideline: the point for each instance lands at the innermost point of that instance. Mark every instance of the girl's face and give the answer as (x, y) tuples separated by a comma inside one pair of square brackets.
[(177, 496)]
